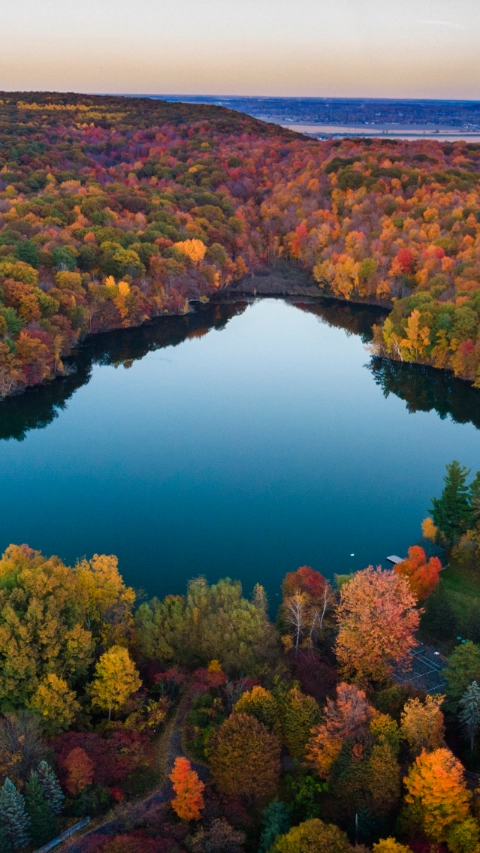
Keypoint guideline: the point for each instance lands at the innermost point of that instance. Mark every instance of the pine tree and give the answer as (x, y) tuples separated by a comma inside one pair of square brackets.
[(13, 817), (469, 716), (50, 786), (451, 512), (42, 819), (276, 820)]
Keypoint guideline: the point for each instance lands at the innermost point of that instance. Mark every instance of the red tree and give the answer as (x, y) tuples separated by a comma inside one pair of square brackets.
[(422, 574)]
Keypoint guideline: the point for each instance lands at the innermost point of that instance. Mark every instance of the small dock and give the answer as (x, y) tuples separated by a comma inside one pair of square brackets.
[(395, 560)]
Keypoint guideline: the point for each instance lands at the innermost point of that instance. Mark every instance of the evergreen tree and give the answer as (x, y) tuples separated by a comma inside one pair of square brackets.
[(469, 716), (276, 820), (5, 845), (451, 512), (42, 819), (50, 786), (13, 818)]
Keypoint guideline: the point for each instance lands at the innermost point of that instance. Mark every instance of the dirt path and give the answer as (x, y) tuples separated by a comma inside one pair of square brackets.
[(168, 748)]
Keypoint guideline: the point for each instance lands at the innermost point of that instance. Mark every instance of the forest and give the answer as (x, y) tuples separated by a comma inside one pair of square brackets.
[(117, 210), (196, 724)]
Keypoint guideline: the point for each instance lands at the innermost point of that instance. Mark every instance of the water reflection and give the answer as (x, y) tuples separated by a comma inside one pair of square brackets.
[(422, 388), (38, 407)]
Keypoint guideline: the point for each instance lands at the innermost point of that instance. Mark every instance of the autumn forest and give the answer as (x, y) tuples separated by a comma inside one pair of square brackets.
[(114, 211)]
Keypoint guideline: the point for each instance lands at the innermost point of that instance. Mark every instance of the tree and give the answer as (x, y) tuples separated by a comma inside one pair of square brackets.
[(429, 530), (313, 836), (377, 623), (435, 786), (245, 758), (389, 845), (188, 801), (80, 771), (21, 746), (469, 715), (13, 817), (464, 837), (300, 714), (276, 821), (422, 574), (220, 837), (42, 818), (422, 724), (50, 787), (193, 249), (55, 703), (116, 678), (262, 705), (451, 512), (463, 668), (349, 715), (306, 598)]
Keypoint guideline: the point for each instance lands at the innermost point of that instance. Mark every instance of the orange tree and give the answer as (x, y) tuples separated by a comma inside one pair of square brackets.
[(188, 801), (437, 792), (377, 622)]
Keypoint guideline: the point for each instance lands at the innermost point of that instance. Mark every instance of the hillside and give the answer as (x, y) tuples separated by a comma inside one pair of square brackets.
[(116, 210)]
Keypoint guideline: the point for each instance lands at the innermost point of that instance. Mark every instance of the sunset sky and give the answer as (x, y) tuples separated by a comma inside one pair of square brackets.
[(393, 48)]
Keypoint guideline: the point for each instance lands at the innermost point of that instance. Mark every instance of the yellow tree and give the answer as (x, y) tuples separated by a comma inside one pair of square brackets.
[(261, 704), (389, 845), (437, 790), (194, 249), (55, 703), (116, 678), (422, 724), (106, 601)]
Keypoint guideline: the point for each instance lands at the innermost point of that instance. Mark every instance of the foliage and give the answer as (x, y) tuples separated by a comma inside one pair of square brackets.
[(436, 787), (276, 820), (21, 746), (14, 820), (42, 818), (422, 574), (464, 837), (313, 836), (80, 771), (188, 801), (469, 715), (55, 703), (389, 845), (451, 512), (262, 705), (50, 786), (300, 714), (350, 714), (245, 758), (463, 668), (220, 837), (211, 623), (422, 724), (47, 624), (116, 678), (377, 620)]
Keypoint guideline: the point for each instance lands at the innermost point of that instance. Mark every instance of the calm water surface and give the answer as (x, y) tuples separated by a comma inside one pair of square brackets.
[(244, 440)]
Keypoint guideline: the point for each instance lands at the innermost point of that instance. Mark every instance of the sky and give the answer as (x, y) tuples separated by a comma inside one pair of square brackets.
[(310, 48)]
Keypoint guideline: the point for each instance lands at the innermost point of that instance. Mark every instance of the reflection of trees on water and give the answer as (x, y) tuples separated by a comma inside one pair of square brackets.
[(424, 388), (353, 319), (38, 407)]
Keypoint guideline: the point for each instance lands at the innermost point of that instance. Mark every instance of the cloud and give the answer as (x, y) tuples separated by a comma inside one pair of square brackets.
[(450, 24)]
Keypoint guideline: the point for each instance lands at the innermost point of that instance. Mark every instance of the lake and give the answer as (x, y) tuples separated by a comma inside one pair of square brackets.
[(243, 440)]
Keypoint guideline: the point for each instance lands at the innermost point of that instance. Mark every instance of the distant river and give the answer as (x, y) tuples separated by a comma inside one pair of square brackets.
[(242, 440)]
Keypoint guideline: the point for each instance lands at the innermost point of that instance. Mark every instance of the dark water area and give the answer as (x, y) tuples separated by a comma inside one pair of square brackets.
[(242, 440)]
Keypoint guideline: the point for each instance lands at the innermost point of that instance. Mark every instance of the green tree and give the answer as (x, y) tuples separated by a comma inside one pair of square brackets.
[(50, 787), (300, 713), (42, 818), (451, 512), (13, 817), (276, 821), (463, 668), (464, 837), (313, 836), (469, 715)]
